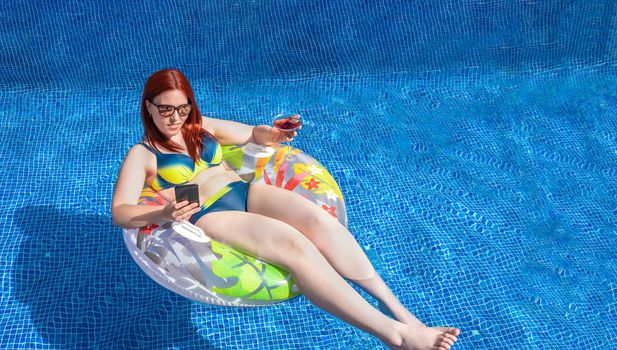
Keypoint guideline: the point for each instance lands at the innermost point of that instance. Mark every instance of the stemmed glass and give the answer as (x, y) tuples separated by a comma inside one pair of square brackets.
[(287, 124)]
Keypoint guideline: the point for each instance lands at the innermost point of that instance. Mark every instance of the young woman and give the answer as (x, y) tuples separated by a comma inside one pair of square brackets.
[(273, 224)]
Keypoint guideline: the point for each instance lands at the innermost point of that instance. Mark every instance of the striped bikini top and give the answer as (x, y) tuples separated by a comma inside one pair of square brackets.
[(177, 168)]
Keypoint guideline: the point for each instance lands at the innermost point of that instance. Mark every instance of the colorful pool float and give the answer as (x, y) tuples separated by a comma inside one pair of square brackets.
[(211, 272)]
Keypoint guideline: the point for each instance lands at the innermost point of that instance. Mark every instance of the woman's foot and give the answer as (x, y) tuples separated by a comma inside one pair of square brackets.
[(422, 338)]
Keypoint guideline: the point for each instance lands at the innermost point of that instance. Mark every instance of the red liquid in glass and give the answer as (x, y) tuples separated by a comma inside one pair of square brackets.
[(287, 123)]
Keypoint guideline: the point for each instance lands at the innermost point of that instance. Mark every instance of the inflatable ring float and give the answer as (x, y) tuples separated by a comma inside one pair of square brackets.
[(211, 272)]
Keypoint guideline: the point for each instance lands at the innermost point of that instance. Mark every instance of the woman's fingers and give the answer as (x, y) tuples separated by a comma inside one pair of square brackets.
[(185, 211), (186, 216), (290, 138), (191, 208), (294, 135), (192, 212)]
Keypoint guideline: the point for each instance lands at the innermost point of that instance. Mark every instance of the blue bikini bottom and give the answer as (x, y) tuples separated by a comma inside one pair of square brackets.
[(233, 196)]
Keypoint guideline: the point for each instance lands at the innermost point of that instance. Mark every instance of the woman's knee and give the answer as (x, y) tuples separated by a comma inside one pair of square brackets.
[(289, 247), (320, 227), (298, 245), (315, 218)]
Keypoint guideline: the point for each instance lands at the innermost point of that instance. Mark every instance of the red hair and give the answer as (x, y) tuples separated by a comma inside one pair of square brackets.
[(192, 132)]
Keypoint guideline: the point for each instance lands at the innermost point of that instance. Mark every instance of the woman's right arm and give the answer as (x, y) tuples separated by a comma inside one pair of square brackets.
[(124, 209)]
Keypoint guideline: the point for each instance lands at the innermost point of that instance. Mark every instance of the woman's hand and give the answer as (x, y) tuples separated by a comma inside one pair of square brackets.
[(180, 211)]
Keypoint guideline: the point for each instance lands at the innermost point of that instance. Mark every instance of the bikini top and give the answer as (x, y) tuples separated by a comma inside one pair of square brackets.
[(176, 168)]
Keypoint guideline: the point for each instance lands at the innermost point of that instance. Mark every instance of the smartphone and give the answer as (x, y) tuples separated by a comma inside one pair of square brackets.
[(188, 192)]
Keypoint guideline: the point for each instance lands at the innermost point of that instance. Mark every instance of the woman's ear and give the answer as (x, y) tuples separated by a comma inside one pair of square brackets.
[(148, 104)]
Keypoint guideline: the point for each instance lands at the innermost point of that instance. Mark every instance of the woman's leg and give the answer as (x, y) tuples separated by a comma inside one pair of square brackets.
[(332, 239), (276, 242)]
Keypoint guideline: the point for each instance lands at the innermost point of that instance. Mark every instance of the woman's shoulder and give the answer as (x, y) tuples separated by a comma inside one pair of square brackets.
[(139, 156), (139, 146), (138, 150)]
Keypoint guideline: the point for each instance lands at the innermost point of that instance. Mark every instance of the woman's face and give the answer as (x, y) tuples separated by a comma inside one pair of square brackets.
[(168, 125)]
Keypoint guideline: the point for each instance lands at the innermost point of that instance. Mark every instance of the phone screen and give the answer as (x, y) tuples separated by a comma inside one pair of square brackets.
[(187, 192)]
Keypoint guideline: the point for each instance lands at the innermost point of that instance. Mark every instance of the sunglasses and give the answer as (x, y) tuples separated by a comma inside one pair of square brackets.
[(167, 110)]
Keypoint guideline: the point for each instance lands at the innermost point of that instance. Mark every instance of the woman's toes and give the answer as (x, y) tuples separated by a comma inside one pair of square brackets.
[(441, 344), (447, 340), (450, 336), (454, 331), (450, 330)]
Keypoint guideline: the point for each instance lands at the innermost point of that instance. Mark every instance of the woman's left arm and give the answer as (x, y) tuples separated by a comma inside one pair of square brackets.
[(232, 133)]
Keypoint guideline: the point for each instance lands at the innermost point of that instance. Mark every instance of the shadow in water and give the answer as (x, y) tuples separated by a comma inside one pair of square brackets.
[(85, 291)]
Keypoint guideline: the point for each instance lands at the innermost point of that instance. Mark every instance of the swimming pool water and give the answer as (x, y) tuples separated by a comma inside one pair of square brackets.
[(474, 142)]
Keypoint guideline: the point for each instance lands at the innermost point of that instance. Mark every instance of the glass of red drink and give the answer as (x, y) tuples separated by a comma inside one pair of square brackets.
[(287, 124)]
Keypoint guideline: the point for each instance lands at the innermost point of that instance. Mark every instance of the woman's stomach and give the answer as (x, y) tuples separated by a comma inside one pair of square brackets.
[(209, 181)]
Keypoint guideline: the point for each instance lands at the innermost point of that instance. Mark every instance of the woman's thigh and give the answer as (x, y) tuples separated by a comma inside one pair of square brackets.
[(263, 237), (293, 209)]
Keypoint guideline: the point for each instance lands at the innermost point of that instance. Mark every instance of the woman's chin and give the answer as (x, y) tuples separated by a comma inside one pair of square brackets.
[(171, 132)]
